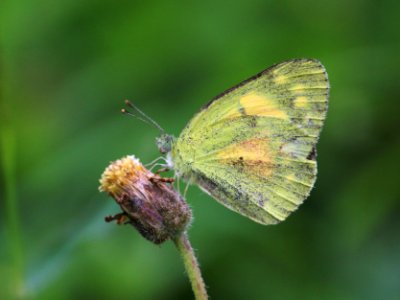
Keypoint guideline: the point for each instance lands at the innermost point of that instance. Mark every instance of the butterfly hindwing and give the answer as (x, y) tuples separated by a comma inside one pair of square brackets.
[(253, 147)]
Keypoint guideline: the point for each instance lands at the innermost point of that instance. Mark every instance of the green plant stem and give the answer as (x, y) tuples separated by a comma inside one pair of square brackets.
[(12, 222), (191, 266)]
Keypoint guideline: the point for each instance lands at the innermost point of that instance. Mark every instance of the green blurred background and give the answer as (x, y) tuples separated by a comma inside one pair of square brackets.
[(67, 66)]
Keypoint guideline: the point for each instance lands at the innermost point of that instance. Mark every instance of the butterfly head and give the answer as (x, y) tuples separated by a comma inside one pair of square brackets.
[(164, 142)]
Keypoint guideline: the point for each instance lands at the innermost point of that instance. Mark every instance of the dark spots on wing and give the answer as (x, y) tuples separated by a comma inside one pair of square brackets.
[(238, 164), (253, 121), (310, 122), (208, 183), (218, 191), (313, 154), (291, 102), (292, 140), (239, 195)]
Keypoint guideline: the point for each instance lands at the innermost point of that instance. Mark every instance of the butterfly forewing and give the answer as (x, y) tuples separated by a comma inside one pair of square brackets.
[(253, 147)]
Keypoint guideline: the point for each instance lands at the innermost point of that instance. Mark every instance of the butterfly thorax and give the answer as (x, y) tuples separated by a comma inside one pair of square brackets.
[(167, 144)]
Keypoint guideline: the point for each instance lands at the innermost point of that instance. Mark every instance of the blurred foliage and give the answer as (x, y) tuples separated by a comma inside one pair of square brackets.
[(66, 67)]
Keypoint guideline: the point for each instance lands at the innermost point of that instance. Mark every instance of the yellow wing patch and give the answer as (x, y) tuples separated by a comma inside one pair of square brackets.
[(260, 105), (280, 79), (300, 101), (253, 104)]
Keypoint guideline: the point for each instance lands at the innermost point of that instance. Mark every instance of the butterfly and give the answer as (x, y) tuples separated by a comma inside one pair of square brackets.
[(253, 147)]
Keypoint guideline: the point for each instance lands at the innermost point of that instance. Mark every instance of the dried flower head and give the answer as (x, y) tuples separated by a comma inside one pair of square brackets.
[(148, 201)]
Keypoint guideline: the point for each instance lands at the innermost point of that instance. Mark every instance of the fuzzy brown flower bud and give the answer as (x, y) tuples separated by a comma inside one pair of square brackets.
[(148, 202)]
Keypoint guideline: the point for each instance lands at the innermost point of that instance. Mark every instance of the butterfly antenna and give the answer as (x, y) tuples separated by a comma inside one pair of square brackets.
[(142, 116), (127, 112)]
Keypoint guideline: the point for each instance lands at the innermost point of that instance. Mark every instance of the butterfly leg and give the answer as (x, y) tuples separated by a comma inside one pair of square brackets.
[(158, 165), (161, 170), (186, 189), (157, 178), (178, 183), (121, 218), (156, 160)]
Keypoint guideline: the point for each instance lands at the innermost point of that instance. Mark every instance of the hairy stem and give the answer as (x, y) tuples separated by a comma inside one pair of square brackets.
[(191, 266)]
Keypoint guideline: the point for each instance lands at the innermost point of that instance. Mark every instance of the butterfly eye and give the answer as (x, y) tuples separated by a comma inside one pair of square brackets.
[(164, 143)]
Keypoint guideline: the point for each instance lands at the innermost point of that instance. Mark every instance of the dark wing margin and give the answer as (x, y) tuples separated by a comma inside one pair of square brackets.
[(254, 77)]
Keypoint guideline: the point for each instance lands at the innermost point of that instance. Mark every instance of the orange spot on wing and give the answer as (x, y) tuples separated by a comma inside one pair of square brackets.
[(252, 156)]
